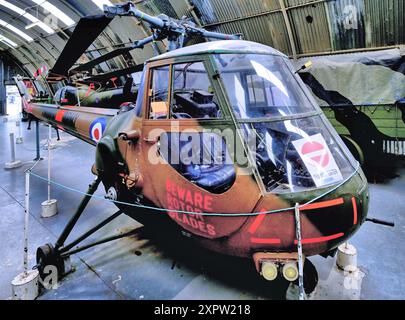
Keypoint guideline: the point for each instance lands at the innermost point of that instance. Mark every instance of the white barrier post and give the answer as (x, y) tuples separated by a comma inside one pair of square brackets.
[(347, 258), (49, 207), (26, 219), (26, 285), (20, 139), (13, 164)]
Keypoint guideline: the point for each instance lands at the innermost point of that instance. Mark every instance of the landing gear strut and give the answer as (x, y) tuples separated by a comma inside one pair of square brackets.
[(57, 255), (57, 134)]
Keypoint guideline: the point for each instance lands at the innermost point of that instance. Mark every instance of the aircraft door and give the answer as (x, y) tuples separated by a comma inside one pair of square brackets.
[(184, 181)]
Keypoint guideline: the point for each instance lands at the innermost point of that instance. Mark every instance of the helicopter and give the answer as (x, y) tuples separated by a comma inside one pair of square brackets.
[(220, 141)]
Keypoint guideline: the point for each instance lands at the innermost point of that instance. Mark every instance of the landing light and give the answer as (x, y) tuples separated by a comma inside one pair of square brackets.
[(290, 271), (269, 271)]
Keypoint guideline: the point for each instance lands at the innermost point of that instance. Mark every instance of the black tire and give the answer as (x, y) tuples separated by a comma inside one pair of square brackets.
[(47, 256), (310, 277)]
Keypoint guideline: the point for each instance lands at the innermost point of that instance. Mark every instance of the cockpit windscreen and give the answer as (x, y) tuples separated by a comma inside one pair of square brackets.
[(261, 86)]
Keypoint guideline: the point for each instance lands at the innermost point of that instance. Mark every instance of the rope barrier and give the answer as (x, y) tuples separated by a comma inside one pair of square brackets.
[(32, 168), (250, 214)]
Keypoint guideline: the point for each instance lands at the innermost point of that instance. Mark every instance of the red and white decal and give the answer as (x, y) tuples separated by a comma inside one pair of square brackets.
[(319, 160)]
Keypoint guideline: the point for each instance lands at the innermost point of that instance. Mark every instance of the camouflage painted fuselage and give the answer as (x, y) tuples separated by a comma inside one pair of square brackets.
[(126, 166)]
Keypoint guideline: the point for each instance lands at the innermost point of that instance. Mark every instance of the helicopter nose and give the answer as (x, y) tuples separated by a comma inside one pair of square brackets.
[(325, 223)]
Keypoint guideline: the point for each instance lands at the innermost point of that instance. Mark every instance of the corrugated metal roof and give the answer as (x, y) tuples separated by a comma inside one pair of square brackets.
[(317, 26)]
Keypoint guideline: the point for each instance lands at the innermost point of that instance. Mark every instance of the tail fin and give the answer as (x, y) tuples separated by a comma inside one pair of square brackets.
[(26, 105), (25, 87)]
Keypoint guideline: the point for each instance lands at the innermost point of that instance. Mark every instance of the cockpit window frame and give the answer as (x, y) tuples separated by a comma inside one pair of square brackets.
[(205, 64), (229, 117), (205, 59), (317, 112), (316, 108)]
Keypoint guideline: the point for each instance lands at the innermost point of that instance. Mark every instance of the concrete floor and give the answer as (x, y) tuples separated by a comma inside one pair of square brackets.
[(145, 267)]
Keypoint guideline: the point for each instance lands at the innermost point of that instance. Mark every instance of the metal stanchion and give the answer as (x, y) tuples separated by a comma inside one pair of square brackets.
[(300, 256), (13, 164), (38, 146), (26, 285), (26, 220), (49, 207), (20, 139), (347, 258)]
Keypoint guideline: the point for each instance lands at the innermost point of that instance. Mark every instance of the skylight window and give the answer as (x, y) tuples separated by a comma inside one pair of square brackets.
[(55, 11), (16, 30), (27, 15), (8, 42), (101, 3)]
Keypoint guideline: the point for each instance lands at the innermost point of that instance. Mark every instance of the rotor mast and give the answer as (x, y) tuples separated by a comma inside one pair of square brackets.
[(164, 27)]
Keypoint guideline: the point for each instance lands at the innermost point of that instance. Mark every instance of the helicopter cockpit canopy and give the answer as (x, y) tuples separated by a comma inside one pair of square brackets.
[(295, 148)]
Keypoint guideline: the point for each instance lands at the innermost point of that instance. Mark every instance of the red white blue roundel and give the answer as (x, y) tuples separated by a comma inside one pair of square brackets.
[(97, 129)]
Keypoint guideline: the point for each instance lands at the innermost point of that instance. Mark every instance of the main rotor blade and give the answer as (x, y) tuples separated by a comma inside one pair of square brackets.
[(115, 53), (91, 64), (86, 31), (118, 73)]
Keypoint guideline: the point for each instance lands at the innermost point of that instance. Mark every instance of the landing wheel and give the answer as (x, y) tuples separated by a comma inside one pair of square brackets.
[(310, 277), (48, 257)]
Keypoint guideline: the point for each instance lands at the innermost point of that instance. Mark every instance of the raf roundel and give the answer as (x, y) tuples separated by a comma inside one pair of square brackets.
[(97, 129)]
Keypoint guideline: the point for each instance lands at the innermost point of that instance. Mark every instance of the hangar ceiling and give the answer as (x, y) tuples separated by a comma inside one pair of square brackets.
[(34, 32)]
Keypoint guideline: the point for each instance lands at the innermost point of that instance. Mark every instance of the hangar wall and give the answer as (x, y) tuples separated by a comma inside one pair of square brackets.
[(296, 27), (299, 28), (9, 68)]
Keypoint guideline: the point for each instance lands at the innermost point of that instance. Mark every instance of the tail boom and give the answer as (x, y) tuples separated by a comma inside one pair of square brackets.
[(84, 123)]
